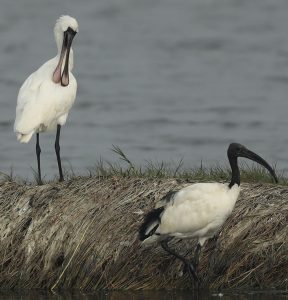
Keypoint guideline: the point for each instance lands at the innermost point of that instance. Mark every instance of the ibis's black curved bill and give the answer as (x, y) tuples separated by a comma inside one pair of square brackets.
[(255, 157)]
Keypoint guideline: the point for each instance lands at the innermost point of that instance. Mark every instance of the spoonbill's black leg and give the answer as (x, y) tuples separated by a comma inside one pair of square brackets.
[(38, 152), (189, 265), (57, 150)]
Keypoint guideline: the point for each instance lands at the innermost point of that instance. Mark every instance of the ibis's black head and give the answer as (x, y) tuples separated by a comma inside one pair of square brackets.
[(236, 150)]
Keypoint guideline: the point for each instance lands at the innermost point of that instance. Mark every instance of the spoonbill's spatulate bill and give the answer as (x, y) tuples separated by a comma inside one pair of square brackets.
[(46, 96), (198, 210)]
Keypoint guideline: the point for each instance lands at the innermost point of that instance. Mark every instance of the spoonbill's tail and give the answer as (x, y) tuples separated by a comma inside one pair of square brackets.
[(24, 138)]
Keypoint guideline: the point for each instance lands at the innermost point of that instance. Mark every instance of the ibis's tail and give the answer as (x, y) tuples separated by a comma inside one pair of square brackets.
[(149, 226)]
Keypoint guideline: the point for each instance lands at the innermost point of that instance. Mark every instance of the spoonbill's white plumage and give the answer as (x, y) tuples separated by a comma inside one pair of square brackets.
[(198, 210), (46, 96)]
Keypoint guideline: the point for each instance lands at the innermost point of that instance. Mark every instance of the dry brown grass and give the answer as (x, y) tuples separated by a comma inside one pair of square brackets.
[(82, 234)]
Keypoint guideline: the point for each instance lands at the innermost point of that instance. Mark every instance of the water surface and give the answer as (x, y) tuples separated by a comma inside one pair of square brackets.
[(162, 79), (143, 295)]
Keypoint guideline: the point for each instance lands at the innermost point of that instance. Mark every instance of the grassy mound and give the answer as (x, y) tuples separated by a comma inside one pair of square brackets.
[(83, 234)]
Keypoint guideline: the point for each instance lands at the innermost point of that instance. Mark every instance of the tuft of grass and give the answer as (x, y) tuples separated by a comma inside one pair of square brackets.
[(7, 177), (11, 177), (122, 155), (127, 168)]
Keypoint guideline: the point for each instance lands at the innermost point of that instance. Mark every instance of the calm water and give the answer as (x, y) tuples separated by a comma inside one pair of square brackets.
[(152, 295), (162, 79)]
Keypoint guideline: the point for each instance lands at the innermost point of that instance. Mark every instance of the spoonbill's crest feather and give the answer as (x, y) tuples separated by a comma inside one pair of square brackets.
[(62, 24), (66, 21)]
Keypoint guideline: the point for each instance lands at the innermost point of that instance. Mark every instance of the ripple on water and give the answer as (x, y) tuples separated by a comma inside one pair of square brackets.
[(195, 141), (281, 79), (6, 124), (195, 44), (223, 110)]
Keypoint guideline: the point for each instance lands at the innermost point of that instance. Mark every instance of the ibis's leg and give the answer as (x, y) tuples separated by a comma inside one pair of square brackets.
[(189, 265), (215, 253), (196, 255), (38, 152), (57, 150)]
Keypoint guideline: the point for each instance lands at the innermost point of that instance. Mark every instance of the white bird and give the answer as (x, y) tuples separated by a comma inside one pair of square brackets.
[(198, 210), (46, 96)]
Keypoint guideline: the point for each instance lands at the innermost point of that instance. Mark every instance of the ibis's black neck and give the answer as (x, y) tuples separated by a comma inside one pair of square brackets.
[(235, 179)]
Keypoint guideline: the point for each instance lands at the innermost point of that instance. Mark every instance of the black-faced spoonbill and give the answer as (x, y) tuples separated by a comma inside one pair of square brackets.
[(198, 210), (46, 96)]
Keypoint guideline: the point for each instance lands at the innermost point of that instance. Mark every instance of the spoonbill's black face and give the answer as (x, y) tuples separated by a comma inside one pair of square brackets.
[(68, 36), (237, 150)]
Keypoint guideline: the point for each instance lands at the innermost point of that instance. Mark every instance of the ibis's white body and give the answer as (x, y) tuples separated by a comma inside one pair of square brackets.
[(42, 103), (196, 211)]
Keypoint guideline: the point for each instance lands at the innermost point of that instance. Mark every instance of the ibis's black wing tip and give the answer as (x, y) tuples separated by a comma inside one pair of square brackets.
[(151, 216)]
